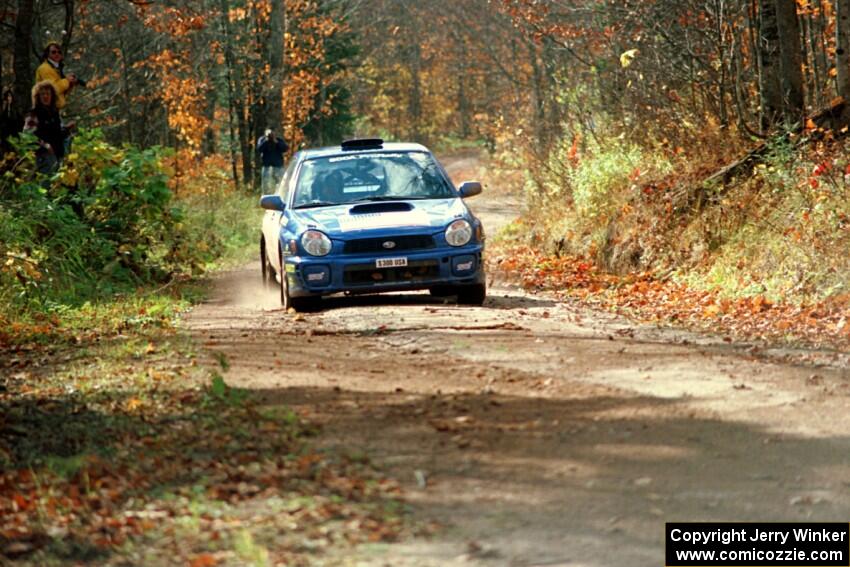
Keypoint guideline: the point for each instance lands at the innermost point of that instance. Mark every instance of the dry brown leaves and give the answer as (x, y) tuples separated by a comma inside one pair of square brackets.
[(88, 476), (641, 296)]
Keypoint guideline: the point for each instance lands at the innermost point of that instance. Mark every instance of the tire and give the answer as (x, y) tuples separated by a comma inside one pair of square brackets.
[(285, 298), (441, 291), (471, 294), (295, 303), (265, 266)]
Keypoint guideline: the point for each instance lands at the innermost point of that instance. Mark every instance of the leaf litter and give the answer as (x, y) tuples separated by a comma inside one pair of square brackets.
[(645, 297), (116, 458)]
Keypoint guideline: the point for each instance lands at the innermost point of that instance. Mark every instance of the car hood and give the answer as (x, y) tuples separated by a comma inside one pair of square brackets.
[(353, 220)]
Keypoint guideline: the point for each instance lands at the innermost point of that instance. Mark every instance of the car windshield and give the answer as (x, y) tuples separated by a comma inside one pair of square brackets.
[(367, 177)]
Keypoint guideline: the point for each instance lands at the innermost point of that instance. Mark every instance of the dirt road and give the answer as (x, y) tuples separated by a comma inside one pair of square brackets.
[(539, 433)]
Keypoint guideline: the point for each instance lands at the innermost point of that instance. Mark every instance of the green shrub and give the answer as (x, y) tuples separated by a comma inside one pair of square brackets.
[(106, 222), (580, 187), (602, 180)]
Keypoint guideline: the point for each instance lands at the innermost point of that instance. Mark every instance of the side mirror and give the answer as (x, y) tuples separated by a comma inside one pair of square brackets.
[(272, 203), (470, 189)]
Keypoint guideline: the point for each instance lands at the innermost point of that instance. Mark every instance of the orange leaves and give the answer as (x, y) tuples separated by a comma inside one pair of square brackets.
[(237, 14), (759, 303), (163, 471), (640, 295), (572, 153), (204, 560), (132, 405), (821, 168), (183, 93), (177, 22)]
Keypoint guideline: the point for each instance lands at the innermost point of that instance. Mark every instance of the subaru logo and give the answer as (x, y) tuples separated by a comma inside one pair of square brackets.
[(389, 244)]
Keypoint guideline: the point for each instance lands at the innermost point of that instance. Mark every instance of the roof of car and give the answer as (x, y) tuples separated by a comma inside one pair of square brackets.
[(331, 151)]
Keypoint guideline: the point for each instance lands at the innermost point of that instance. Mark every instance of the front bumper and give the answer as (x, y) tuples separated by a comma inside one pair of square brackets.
[(311, 276)]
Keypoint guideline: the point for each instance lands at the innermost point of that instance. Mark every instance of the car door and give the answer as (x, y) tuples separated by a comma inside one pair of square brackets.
[(273, 220)]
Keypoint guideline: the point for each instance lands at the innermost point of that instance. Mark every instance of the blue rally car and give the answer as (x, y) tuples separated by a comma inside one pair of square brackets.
[(370, 217)]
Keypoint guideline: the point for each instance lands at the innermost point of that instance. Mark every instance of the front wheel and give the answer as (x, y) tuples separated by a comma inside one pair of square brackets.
[(285, 298), (471, 294), (295, 303), (440, 291)]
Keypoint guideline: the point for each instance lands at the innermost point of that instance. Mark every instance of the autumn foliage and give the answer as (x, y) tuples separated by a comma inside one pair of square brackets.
[(645, 298)]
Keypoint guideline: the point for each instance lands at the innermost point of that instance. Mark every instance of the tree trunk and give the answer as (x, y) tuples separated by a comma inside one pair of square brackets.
[(23, 48), (255, 127), (816, 86), (720, 46), (275, 53), (462, 98), (231, 95), (208, 146), (790, 61), (819, 32), (770, 88), (244, 137), (842, 48), (414, 108), (69, 24), (125, 93), (538, 96)]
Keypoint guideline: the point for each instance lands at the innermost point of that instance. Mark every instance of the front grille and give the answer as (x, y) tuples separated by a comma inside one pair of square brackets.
[(368, 274), (402, 243)]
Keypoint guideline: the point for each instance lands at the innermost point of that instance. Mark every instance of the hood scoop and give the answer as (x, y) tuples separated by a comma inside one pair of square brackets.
[(373, 208)]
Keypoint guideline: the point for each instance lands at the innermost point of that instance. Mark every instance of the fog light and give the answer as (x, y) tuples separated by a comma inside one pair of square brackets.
[(463, 265), (317, 275)]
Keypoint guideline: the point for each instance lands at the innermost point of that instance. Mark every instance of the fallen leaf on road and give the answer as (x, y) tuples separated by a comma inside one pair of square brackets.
[(204, 560)]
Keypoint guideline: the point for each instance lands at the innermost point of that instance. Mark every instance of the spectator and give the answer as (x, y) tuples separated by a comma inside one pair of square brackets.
[(271, 150), (52, 69), (44, 121), (10, 121)]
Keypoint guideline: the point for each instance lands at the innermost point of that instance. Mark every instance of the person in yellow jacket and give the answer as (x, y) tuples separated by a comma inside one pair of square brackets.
[(51, 69)]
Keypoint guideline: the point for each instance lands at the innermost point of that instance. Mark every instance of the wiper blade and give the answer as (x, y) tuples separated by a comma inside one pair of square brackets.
[(313, 204)]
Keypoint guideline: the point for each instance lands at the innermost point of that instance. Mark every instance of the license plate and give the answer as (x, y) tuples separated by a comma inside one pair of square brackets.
[(391, 263)]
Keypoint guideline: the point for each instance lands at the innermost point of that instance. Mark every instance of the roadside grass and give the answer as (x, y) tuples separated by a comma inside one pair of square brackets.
[(637, 230), (118, 447), (234, 220)]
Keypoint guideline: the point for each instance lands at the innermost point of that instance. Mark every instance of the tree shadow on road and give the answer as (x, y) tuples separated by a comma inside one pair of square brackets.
[(498, 301), (541, 479)]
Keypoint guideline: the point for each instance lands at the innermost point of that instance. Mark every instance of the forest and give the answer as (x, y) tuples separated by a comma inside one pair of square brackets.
[(612, 113), (681, 163)]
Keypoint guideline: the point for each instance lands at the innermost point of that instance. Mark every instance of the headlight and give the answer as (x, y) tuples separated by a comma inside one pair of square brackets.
[(459, 233), (316, 243)]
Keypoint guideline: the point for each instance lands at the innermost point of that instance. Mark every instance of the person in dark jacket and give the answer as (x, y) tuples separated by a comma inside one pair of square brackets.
[(271, 150), (44, 121), (11, 122)]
